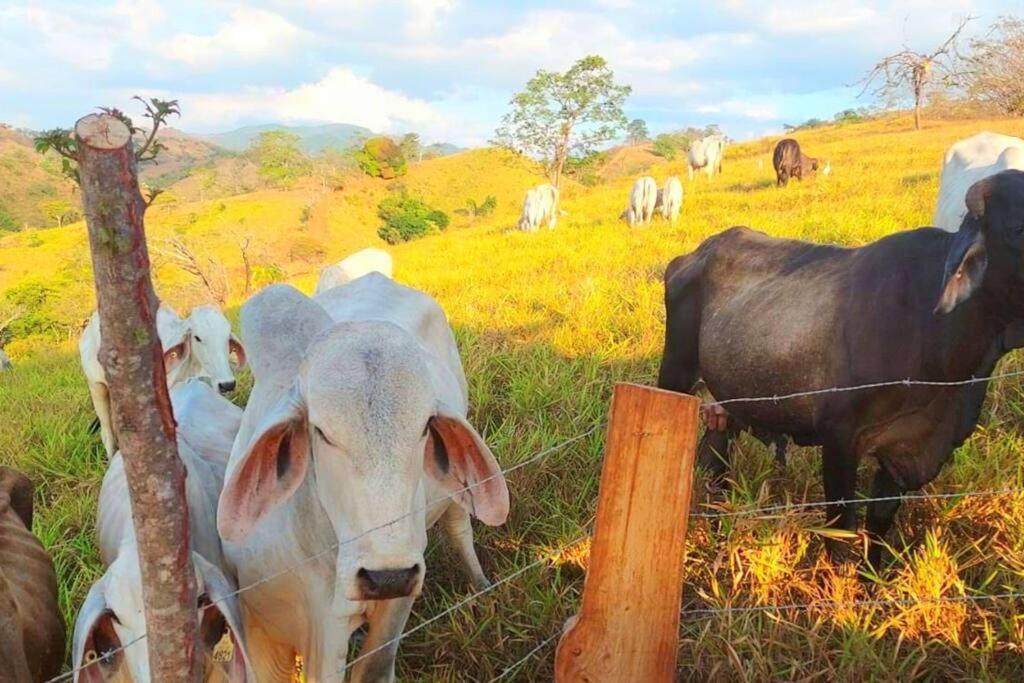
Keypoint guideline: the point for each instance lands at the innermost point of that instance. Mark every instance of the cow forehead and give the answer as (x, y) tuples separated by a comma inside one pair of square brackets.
[(210, 320)]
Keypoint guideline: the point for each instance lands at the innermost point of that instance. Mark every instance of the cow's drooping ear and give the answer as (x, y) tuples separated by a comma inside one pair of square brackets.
[(235, 347), (96, 652), (273, 467), (17, 488), (457, 458), (220, 623), (966, 263), (176, 356), (977, 196)]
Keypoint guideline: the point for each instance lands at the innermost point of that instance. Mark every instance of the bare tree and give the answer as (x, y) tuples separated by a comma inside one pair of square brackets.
[(245, 246), (994, 68), (894, 75), (208, 272)]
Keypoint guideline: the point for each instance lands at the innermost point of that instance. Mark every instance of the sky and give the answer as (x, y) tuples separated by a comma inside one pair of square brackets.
[(447, 68)]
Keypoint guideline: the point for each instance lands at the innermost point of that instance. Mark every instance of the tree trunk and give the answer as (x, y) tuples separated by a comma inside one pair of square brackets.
[(132, 358), (917, 114)]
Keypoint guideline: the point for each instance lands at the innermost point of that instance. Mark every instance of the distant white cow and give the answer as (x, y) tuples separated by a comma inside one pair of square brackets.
[(707, 154), (671, 199), (642, 200), (112, 616), (539, 206), (369, 260), (968, 161), (199, 346)]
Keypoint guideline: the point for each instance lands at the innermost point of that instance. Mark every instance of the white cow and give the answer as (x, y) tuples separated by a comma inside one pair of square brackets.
[(357, 420), (539, 206), (671, 199), (968, 161), (199, 346), (707, 154), (112, 615), (642, 200), (369, 260)]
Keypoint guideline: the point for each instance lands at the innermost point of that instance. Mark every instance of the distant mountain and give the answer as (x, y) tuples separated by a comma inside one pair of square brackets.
[(181, 154), (313, 139), (442, 149)]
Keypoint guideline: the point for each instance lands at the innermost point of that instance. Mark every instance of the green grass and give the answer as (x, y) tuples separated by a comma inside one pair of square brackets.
[(546, 324)]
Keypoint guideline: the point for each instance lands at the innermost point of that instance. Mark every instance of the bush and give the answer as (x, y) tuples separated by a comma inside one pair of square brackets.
[(407, 218), (484, 208), (381, 158), (665, 145), (268, 274), (306, 249)]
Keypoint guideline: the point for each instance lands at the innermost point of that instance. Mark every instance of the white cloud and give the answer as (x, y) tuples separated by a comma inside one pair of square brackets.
[(426, 15), (249, 35), (340, 96), (754, 108), (818, 18)]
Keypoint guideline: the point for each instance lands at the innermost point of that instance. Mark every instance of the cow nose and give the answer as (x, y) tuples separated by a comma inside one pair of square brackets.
[(385, 584), (225, 387)]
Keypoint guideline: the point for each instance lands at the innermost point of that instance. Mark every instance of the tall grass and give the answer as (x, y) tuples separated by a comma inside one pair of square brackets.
[(546, 323)]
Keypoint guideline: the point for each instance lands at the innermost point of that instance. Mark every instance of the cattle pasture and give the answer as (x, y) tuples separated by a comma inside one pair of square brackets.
[(546, 323)]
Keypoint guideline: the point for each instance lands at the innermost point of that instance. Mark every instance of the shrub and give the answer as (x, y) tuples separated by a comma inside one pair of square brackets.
[(305, 248), (381, 158), (665, 146), (407, 218), (7, 221), (484, 208), (267, 274)]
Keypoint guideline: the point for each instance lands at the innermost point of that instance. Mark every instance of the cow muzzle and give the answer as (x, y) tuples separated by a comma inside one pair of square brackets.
[(387, 584)]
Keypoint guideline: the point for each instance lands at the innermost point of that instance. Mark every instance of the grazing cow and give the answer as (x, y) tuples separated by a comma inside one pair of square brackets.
[(672, 199), (5, 362), (968, 161), (369, 260), (706, 153), (112, 615), (354, 441), (540, 206), (790, 162), (31, 625), (642, 200), (753, 316), (199, 346)]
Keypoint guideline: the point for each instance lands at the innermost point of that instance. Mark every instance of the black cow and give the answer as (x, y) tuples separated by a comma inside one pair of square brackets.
[(752, 315), (790, 162)]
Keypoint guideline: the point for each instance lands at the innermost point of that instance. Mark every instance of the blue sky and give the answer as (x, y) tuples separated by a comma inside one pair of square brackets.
[(447, 68)]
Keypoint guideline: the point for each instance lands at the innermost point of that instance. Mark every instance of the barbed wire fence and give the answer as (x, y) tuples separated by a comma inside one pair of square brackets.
[(547, 557)]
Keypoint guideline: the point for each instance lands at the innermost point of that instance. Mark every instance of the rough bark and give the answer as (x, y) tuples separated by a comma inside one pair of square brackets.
[(132, 358)]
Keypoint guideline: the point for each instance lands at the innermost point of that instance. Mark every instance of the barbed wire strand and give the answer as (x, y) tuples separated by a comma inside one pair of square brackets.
[(335, 546), (519, 662), (548, 557)]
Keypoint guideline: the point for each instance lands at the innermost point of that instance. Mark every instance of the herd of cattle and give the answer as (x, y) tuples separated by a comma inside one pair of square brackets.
[(355, 440)]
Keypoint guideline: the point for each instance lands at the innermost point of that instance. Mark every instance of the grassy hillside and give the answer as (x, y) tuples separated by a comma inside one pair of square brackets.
[(546, 324), (28, 180)]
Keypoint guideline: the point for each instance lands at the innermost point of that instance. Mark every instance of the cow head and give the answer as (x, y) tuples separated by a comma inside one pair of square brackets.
[(990, 242), (364, 415), (107, 645), (213, 345)]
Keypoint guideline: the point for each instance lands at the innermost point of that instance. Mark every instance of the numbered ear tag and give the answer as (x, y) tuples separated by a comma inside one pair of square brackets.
[(224, 650)]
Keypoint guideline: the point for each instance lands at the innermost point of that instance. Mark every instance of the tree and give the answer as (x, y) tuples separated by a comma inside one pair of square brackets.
[(7, 221), (666, 145), (563, 114), (278, 156), (411, 146), (993, 69), (59, 211), (380, 157), (637, 132), (894, 75)]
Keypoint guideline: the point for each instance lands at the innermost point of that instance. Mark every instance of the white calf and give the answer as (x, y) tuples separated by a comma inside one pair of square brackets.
[(539, 206), (671, 199), (369, 260), (642, 200)]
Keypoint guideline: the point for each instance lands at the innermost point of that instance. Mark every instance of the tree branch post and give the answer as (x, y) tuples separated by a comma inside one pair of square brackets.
[(132, 358)]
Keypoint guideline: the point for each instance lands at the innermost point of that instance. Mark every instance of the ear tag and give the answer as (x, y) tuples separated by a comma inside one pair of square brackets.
[(224, 650)]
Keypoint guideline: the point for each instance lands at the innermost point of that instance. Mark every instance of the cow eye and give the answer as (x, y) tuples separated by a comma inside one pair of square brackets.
[(198, 340)]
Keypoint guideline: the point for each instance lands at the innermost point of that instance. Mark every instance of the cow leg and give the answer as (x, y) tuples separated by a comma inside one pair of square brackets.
[(387, 620), (783, 178), (713, 456), (101, 402), (459, 530), (881, 514), (839, 473)]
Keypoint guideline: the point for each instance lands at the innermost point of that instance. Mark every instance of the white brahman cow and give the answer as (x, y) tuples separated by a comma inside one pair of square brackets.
[(643, 198), (967, 161), (671, 199), (112, 615), (354, 442), (371, 260), (539, 206), (199, 346), (707, 154)]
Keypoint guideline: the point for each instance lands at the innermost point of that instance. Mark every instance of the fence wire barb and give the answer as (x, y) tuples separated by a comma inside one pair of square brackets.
[(519, 662), (835, 604), (335, 546)]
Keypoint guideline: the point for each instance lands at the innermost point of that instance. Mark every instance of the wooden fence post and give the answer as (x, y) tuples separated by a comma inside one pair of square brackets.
[(132, 358), (627, 628)]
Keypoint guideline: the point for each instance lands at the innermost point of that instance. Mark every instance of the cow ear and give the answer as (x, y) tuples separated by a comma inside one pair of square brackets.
[(272, 468), (178, 354), (235, 347), (457, 458), (977, 196), (220, 623), (96, 653), (18, 490), (965, 265)]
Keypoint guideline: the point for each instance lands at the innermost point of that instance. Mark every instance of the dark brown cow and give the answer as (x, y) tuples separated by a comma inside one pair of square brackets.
[(31, 627), (790, 162)]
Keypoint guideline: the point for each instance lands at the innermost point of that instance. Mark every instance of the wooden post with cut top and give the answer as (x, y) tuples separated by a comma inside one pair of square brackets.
[(627, 628), (132, 358)]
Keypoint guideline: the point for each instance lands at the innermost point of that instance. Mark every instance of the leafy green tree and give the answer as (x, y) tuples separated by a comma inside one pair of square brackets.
[(7, 221), (380, 157), (278, 156), (59, 211), (411, 146), (637, 131), (560, 115), (666, 145), (407, 218)]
